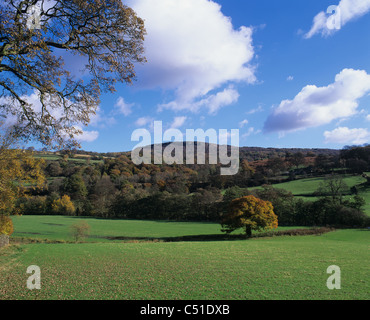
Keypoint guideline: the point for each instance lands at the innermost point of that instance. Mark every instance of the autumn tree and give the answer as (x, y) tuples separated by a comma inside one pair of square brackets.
[(19, 171), (63, 206), (39, 95), (250, 213), (6, 225)]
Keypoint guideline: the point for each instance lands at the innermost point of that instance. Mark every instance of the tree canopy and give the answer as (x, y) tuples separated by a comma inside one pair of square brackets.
[(39, 95), (18, 169), (250, 213), (6, 225)]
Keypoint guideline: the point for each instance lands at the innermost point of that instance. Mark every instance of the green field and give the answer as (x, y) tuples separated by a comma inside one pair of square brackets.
[(256, 269), (56, 157), (57, 228), (310, 185), (304, 188)]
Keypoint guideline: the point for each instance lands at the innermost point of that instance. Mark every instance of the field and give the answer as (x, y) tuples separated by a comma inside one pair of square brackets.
[(304, 188), (54, 157), (310, 185), (279, 268), (57, 229)]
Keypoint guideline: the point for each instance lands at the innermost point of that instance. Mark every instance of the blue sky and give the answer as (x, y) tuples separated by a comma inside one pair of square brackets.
[(272, 69)]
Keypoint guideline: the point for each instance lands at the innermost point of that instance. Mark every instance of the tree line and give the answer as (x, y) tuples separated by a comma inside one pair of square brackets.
[(116, 188)]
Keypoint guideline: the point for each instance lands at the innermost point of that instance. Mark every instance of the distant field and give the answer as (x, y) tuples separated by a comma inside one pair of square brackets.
[(256, 269), (54, 157), (304, 188), (310, 185)]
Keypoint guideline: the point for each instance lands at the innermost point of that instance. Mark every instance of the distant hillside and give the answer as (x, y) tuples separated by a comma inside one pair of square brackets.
[(258, 153), (246, 153)]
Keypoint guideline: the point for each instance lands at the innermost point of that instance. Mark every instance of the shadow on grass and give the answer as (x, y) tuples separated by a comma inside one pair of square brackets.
[(195, 238), (138, 219), (227, 237)]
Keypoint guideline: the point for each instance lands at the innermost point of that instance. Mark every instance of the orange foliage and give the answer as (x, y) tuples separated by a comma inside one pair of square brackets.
[(250, 213)]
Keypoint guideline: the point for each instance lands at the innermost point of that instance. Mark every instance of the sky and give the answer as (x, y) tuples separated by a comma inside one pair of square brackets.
[(285, 73)]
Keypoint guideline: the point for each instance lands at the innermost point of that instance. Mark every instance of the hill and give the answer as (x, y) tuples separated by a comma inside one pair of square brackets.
[(246, 153)]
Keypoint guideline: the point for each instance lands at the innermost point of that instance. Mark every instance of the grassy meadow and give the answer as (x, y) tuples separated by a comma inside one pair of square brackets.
[(154, 260), (278, 268)]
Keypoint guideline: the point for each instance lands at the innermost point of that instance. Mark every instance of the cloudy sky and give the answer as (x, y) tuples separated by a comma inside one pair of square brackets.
[(285, 73)]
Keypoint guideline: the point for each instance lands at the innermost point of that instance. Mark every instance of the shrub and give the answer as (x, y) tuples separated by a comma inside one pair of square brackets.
[(35, 205), (350, 217), (80, 230), (323, 212)]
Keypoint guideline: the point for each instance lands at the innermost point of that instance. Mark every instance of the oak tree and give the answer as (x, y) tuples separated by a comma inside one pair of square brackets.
[(249, 213), (39, 95)]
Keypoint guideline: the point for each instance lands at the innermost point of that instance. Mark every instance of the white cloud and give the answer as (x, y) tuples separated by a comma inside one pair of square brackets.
[(212, 102), (290, 78), (87, 136), (100, 120), (256, 110), (243, 123), (315, 106), (221, 99), (143, 121), (193, 49), (328, 23), (368, 117), (123, 107), (33, 100), (178, 122), (344, 135)]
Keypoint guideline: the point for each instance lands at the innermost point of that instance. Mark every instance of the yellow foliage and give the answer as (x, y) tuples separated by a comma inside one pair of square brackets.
[(250, 213), (19, 170), (63, 206), (161, 184), (6, 225), (115, 172)]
